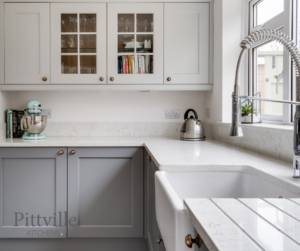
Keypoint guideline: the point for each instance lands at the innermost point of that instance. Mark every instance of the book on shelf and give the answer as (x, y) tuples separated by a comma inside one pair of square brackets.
[(143, 64), (129, 64), (147, 64), (132, 64), (126, 65), (123, 65), (13, 123)]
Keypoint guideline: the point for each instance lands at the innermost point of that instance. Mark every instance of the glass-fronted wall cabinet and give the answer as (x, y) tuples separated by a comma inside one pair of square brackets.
[(78, 43), (135, 43)]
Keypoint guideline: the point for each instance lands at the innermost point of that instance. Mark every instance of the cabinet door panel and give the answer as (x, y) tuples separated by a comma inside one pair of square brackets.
[(135, 30), (33, 184), (27, 45), (106, 192), (78, 43), (186, 37)]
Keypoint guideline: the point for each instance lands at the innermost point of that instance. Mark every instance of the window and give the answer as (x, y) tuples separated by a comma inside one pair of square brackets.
[(270, 68)]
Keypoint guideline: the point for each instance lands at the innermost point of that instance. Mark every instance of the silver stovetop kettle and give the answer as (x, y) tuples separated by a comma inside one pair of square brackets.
[(192, 128)]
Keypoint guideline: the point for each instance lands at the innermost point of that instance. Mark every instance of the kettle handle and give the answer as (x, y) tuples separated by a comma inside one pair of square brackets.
[(187, 113)]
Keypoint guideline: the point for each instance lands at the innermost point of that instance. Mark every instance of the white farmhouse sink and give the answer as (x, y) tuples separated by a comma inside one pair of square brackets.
[(172, 187)]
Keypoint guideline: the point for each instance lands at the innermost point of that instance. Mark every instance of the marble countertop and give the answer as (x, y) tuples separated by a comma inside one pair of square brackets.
[(246, 224)]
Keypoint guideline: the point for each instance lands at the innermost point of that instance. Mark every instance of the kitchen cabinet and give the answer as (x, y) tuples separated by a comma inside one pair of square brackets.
[(78, 43), (187, 46), (135, 43), (152, 230), (33, 184), (27, 43), (105, 192)]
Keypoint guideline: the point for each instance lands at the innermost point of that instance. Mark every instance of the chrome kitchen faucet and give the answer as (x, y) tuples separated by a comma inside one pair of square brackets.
[(236, 129)]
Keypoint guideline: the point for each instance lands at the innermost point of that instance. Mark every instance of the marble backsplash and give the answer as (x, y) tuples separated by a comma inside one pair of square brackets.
[(273, 142), (112, 129)]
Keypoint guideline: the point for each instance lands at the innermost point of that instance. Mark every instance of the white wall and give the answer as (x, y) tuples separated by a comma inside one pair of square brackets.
[(112, 106), (227, 36), (6, 102)]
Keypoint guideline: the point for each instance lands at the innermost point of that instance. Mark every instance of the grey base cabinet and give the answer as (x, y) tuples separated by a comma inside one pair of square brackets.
[(152, 230), (33, 193), (105, 192)]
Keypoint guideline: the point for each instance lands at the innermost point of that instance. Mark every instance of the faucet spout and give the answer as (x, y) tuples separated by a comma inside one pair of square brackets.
[(236, 129)]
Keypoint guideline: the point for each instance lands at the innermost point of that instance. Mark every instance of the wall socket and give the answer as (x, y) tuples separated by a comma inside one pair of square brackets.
[(172, 114), (47, 112)]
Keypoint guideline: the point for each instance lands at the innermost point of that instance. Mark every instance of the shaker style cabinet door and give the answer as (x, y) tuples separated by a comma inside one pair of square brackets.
[(186, 39), (105, 192), (135, 43), (33, 192), (27, 43), (78, 43)]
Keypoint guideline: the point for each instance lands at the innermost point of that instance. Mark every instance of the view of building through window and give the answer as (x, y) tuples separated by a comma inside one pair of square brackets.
[(270, 77), (269, 61)]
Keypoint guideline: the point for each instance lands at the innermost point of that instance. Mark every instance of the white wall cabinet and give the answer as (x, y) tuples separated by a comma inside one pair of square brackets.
[(27, 43), (186, 37), (78, 43), (135, 43), (107, 46)]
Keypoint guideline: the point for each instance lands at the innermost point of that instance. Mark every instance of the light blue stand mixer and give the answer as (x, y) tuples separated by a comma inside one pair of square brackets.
[(33, 122)]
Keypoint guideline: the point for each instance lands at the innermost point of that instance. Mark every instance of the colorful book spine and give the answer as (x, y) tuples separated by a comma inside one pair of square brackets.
[(7, 124), (143, 63), (19, 131), (119, 67), (14, 123), (10, 125), (140, 65), (132, 64), (123, 65), (137, 65), (129, 65), (126, 65)]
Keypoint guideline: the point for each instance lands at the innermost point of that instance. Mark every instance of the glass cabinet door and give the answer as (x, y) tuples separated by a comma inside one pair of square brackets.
[(78, 43), (135, 43)]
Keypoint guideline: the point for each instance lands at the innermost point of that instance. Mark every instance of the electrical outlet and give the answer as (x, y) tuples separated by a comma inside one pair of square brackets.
[(207, 113), (172, 114), (47, 112), (176, 114), (168, 114)]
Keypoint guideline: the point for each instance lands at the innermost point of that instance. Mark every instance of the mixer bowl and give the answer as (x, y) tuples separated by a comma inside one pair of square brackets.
[(34, 124)]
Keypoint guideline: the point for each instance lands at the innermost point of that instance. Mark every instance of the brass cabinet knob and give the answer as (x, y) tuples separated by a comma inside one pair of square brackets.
[(189, 241), (44, 79), (159, 240), (101, 79), (111, 79), (149, 159), (61, 152), (169, 79), (72, 152)]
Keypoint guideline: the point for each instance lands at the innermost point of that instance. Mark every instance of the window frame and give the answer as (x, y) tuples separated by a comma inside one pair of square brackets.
[(283, 21)]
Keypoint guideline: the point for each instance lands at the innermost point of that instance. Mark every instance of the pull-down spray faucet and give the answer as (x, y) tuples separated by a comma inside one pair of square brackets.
[(236, 129)]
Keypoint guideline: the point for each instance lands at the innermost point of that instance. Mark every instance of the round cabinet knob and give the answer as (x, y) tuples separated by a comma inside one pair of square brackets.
[(72, 152), (61, 152), (101, 79), (159, 240), (44, 79), (189, 241), (169, 79), (149, 159), (111, 79)]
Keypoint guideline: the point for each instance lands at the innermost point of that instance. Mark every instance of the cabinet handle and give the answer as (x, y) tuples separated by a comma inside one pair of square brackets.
[(169, 79), (72, 152), (149, 159), (189, 241), (61, 152), (44, 79), (159, 240), (111, 79), (101, 79)]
